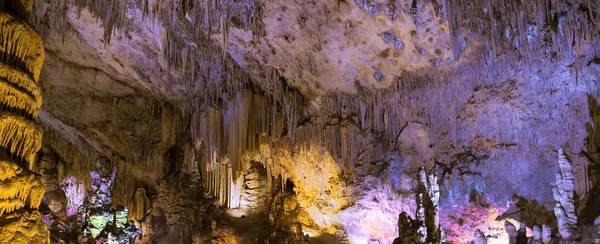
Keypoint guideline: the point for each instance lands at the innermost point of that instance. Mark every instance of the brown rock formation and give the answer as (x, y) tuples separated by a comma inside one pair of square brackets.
[(21, 190)]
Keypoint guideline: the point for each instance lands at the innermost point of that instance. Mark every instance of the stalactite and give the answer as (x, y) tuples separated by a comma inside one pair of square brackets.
[(528, 22), (228, 136), (20, 136)]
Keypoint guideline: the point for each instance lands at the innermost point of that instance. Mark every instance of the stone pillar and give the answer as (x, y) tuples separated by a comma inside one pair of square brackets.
[(564, 194), (479, 238), (21, 60), (425, 228)]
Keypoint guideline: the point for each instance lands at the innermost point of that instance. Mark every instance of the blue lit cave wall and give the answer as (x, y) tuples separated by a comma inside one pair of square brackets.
[(367, 121)]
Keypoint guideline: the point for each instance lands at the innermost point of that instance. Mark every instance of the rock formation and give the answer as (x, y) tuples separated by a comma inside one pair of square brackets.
[(21, 60), (100, 221), (54, 197), (537, 234), (522, 235), (512, 232), (564, 194), (425, 227), (546, 234), (140, 205), (479, 238), (484, 90), (597, 224)]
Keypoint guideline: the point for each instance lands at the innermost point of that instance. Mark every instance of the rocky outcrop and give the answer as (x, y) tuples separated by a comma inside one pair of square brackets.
[(21, 60), (564, 194)]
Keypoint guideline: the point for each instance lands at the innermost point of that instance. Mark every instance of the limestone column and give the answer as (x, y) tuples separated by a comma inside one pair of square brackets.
[(21, 190)]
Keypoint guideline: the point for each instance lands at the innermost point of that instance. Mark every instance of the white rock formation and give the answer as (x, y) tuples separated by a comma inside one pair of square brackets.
[(564, 194), (427, 207), (537, 234), (546, 234), (512, 232), (479, 238)]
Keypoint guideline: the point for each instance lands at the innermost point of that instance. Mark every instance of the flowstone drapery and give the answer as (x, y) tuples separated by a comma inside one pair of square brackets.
[(564, 194), (21, 191)]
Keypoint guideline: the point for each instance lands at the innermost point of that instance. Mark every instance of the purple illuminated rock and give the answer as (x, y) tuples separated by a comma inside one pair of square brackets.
[(546, 234), (479, 238), (512, 232), (564, 194)]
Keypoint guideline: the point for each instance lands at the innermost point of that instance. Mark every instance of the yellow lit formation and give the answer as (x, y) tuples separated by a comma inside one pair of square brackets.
[(21, 191)]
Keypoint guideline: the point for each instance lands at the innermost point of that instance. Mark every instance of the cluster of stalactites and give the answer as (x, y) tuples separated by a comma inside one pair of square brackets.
[(426, 227), (230, 136), (21, 60), (564, 194), (187, 24), (534, 28)]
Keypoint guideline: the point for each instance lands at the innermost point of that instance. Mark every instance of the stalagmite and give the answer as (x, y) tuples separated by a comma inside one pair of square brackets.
[(479, 238), (537, 234), (54, 197), (429, 197), (511, 230), (141, 205), (406, 230), (100, 220), (425, 228), (522, 235), (564, 194), (546, 234), (21, 60)]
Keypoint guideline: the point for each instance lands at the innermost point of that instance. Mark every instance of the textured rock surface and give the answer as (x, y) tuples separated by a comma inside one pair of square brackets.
[(345, 99), (564, 194), (22, 190), (479, 238)]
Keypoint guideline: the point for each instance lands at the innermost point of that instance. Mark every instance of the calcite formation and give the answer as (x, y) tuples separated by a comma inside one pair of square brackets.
[(537, 234), (21, 59), (546, 234), (100, 221), (512, 232), (479, 238), (425, 227), (318, 94), (564, 194), (140, 205)]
